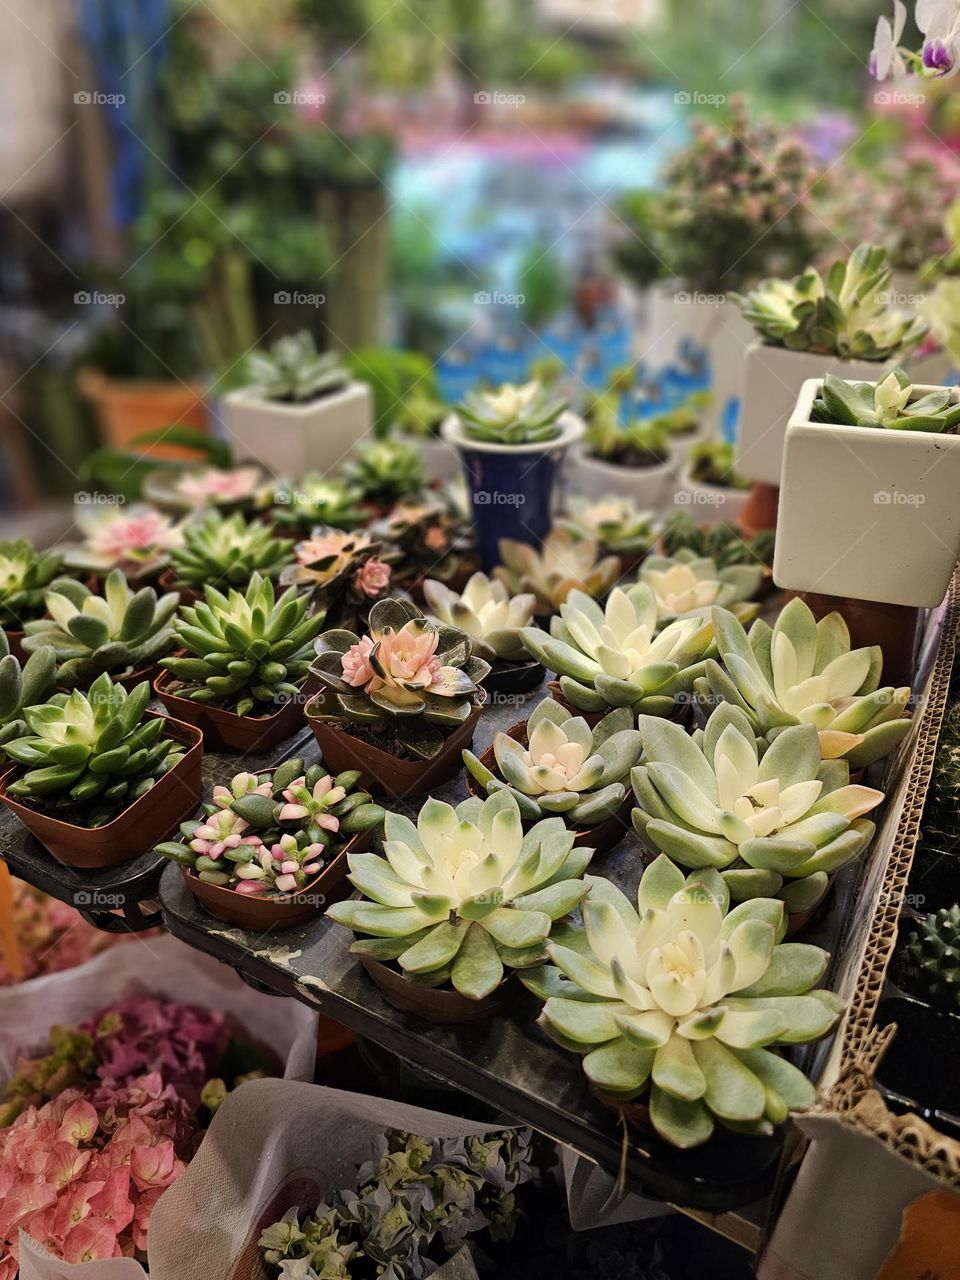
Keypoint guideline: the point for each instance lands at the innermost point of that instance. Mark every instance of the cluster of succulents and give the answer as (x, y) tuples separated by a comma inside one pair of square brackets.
[(620, 527), (525, 414), (565, 562), (723, 543), (228, 548), (406, 675), (565, 767), (317, 499), (343, 572), (893, 403), (137, 541), (487, 612), (28, 685), (423, 537), (247, 651), (687, 584), (385, 472), (293, 371), (25, 577), (801, 671), (89, 755), (711, 462), (931, 958), (680, 1001), (266, 835), (464, 894), (775, 822), (119, 632), (247, 488), (632, 443)]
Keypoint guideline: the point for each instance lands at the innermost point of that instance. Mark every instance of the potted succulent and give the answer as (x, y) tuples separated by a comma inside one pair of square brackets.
[(25, 576), (723, 543), (458, 901), (244, 663), (26, 685), (121, 633), (269, 851), (686, 584), (314, 500), (565, 562), (493, 619), (801, 671), (710, 486), (227, 549), (300, 409), (137, 541), (342, 572), (512, 442), (621, 527), (184, 490), (425, 539), (616, 657), (775, 820), (676, 1005), (385, 472), (883, 458), (630, 459), (400, 702), (555, 763), (100, 778), (685, 425)]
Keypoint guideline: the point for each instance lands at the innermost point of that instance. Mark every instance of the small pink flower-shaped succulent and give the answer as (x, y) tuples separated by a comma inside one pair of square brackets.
[(304, 805), (372, 578), (214, 485), (221, 831), (140, 534), (405, 659), (241, 784)]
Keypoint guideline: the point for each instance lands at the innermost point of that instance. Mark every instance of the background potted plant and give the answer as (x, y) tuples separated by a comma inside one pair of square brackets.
[(709, 486), (136, 540), (316, 499), (565, 562), (686, 584), (190, 490), (342, 573), (621, 526), (224, 550), (723, 543), (385, 472), (627, 458), (425, 538), (493, 619), (25, 577)]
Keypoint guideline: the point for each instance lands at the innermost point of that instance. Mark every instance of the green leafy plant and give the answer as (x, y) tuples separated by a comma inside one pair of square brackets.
[(244, 650), (565, 767), (776, 823), (293, 371), (680, 1000), (486, 611), (25, 576), (28, 685), (564, 563), (219, 548), (931, 957), (522, 414), (119, 632), (723, 543), (618, 524), (317, 499), (385, 471), (711, 462), (464, 894), (893, 403)]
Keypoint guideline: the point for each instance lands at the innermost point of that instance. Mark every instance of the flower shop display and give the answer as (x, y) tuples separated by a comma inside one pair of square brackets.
[(137, 540), (316, 499), (385, 472), (619, 524), (615, 656), (710, 485), (512, 442), (425, 539), (775, 820), (723, 543), (26, 684), (343, 573), (445, 1191), (270, 850), (225, 549), (121, 633), (457, 900), (301, 410), (399, 702), (25, 576), (931, 958), (555, 763), (244, 663), (687, 584), (804, 671), (493, 619), (883, 459), (627, 458), (564, 563), (677, 1006), (246, 488)]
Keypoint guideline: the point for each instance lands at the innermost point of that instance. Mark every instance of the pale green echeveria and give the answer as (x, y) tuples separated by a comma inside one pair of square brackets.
[(566, 767), (681, 998), (776, 824), (687, 584), (801, 671), (487, 612), (464, 894), (617, 657)]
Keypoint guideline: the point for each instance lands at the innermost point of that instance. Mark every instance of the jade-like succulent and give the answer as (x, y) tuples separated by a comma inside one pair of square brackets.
[(678, 1002), (618, 524), (893, 403), (464, 894), (775, 823), (486, 611), (723, 543), (616, 657), (317, 500), (343, 572), (228, 549), (385, 471), (26, 686), (267, 835), (566, 767), (710, 462), (932, 958), (406, 674), (293, 371), (244, 650), (686, 584), (801, 671), (247, 488), (137, 540), (118, 632), (524, 414), (565, 562), (89, 755), (25, 576)]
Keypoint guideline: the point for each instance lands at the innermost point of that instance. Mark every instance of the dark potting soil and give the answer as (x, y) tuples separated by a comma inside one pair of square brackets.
[(631, 458), (384, 741), (179, 688)]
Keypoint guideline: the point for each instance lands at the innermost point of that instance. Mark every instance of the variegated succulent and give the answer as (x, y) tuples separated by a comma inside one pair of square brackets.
[(343, 572), (679, 1002), (245, 488), (423, 537), (565, 562), (512, 414), (776, 823), (464, 894), (137, 540), (619, 525), (686, 584), (25, 576), (29, 685), (485, 610), (802, 671), (565, 767), (228, 549)]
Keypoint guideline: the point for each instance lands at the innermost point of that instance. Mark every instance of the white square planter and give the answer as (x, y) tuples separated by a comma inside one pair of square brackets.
[(866, 512), (291, 439), (772, 378), (647, 486)]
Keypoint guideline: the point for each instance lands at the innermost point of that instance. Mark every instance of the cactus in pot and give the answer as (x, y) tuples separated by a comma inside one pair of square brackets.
[(227, 549), (28, 685), (511, 414), (686, 584), (931, 958), (565, 562), (25, 577)]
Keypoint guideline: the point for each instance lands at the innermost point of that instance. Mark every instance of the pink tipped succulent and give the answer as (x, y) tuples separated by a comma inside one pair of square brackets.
[(212, 485), (241, 784), (372, 578), (140, 535), (221, 831), (403, 659), (286, 883), (356, 663), (303, 805)]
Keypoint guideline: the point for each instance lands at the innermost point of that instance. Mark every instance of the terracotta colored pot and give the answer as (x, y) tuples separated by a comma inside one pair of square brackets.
[(521, 677), (168, 582), (599, 838), (436, 1004), (138, 828), (384, 773), (226, 731), (893, 627), (760, 510), (127, 409)]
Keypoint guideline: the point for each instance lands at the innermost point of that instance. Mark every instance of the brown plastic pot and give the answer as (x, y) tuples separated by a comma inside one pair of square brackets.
[(636, 1114), (126, 409), (436, 1004), (139, 827), (514, 677), (599, 838), (759, 512), (224, 730), (384, 773)]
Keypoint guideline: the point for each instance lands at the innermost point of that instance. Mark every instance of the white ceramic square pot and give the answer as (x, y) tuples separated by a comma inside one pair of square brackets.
[(772, 378), (291, 439), (647, 486), (867, 513)]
